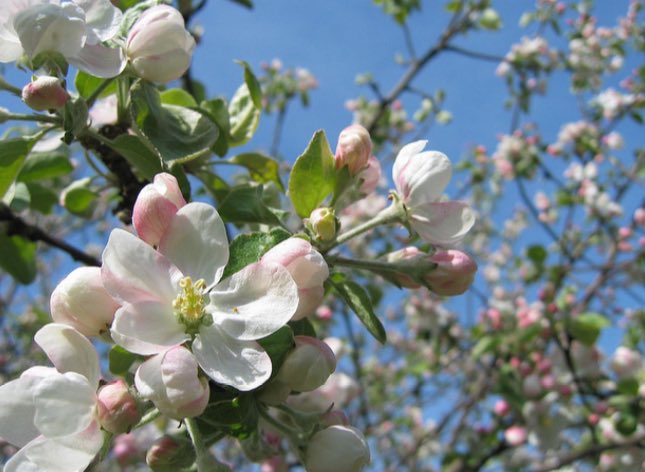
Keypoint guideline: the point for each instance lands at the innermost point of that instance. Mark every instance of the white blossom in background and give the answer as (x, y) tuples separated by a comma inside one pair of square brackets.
[(158, 45), (174, 294), (74, 29), (50, 412), (420, 178)]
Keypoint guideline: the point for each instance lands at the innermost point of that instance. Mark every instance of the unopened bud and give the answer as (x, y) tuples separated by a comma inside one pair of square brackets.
[(169, 454), (490, 19), (45, 93), (308, 366), (116, 408), (370, 176), (338, 449), (80, 300), (156, 206), (323, 223), (354, 148), (454, 274), (410, 253), (515, 435)]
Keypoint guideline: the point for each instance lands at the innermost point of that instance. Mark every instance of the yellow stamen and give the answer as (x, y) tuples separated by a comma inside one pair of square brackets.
[(189, 304)]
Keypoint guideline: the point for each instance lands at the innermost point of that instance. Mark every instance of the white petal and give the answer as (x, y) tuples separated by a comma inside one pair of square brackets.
[(403, 161), (179, 371), (147, 328), (17, 411), (148, 379), (443, 223), (69, 454), (99, 60), (134, 272), (51, 28), (254, 302), (64, 404), (196, 242), (241, 364), (102, 17), (427, 177), (69, 351)]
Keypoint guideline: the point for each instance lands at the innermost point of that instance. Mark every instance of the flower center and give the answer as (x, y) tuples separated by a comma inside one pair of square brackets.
[(189, 304)]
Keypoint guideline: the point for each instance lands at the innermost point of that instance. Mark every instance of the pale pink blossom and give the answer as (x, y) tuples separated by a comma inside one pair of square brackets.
[(308, 366), (354, 148)]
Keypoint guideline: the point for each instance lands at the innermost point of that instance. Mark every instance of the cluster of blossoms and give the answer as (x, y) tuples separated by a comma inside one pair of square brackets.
[(90, 35), (530, 54), (516, 154), (613, 103), (279, 86)]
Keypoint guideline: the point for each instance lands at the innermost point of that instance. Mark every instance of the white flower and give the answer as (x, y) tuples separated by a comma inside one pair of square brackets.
[(50, 412), (338, 449), (159, 46), (174, 294), (420, 179), (74, 29)]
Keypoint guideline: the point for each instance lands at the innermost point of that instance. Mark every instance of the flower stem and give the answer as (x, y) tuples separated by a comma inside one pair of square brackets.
[(290, 433), (98, 91), (39, 118), (4, 85), (392, 214)]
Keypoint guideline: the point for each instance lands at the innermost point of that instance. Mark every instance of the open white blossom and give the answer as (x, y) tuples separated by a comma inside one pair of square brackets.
[(174, 294), (420, 179), (50, 412), (74, 29)]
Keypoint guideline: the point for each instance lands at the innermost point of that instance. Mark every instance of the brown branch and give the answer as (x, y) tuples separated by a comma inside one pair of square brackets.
[(18, 226)]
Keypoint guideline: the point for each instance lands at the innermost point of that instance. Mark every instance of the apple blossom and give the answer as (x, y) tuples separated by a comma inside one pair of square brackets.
[(323, 223), (337, 449), (50, 412), (626, 363), (45, 93), (308, 366), (308, 269), (174, 294), (80, 300), (515, 435), (354, 148), (75, 29), (158, 45), (155, 207), (116, 407), (169, 454), (370, 176), (420, 178), (171, 381)]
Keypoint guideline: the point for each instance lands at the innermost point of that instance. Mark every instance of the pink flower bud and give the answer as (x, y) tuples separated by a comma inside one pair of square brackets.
[(308, 269), (323, 223), (354, 148), (156, 206), (45, 93), (515, 435), (275, 464), (80, 300), (158, 45), (501, 408), (626, 363), (308, 366), (639, 216), (116, 408), (409, 253), (338, 449), (370, 176), (171, 381), (170, 454), (454, 274)]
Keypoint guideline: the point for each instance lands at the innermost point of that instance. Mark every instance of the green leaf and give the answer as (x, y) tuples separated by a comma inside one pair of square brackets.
[(12, 156), (177, 97), (278, 346), (217, 110), (87, 84), (628, 386), (537, 254), (359, 301), (79, 199), (244, 204), (234, 415), (44, 165), (587, 327), (263, 169), (214, 184), (145, 162), (303, 327), (244, 117), (120, 360), (313, 177), (18, 258), (43, 198), (177, 133), (485, 345), (248, 248), (18, 197), (252, 83), (75, 118)]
